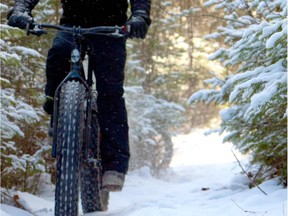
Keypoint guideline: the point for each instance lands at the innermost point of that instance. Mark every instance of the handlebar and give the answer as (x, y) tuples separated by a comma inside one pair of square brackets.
[(116, 31)]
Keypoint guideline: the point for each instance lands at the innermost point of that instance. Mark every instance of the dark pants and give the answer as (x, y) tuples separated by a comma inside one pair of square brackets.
[(108, 65)]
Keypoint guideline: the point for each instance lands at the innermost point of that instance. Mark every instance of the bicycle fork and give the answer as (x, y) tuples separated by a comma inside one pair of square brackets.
[(75, 75)]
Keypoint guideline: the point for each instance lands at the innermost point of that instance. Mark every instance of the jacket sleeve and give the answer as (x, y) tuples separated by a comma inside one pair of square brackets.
[(142, 7), (25, 5)]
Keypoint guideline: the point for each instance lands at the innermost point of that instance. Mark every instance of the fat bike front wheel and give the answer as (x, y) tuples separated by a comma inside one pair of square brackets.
[(69, 144)]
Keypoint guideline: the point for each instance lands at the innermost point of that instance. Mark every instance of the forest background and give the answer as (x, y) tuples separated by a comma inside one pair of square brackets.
[(200, 58)]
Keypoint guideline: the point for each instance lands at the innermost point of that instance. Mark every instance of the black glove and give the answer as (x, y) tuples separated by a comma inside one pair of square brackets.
[(138, 24), (20, 18)]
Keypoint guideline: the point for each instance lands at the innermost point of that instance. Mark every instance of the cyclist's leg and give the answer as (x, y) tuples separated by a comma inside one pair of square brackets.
[(57, 66), (109, 62)]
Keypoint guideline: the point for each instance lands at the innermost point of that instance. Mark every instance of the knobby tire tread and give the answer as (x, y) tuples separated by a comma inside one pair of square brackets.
[(69, 144), (92, 198)]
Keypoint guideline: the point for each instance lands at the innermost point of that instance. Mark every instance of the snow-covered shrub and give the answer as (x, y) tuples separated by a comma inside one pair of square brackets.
[(20, 158), (255, 91), (150, 119), (21, 118)]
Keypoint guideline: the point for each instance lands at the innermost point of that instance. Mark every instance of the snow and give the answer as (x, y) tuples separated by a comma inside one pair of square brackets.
[(271, 29), (26, 51), (271, 42), (204, 180), (7, 210), (216, 54)]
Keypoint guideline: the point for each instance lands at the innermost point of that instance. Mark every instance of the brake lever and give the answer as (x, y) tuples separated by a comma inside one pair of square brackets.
[(35, 30), (118, 34), (121, 33)]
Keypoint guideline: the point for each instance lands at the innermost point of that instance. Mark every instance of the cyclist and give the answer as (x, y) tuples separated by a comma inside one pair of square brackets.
[(109, 58)]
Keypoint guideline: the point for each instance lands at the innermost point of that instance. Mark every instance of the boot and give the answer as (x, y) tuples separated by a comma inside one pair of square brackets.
[(112, 181)]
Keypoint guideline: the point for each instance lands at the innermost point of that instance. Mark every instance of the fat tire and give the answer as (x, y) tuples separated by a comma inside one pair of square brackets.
[(69, 144), (92, 198)]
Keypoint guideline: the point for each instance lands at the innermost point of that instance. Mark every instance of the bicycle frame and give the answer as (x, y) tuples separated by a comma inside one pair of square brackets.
[(77, 71)]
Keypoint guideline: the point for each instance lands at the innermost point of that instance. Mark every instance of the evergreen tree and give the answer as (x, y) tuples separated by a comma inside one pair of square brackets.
[(254, 91), (23, 131), (172, 60), (150, 121)]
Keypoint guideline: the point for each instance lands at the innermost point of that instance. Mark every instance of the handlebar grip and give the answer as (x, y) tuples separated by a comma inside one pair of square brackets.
[(37, 32), (30, 30)]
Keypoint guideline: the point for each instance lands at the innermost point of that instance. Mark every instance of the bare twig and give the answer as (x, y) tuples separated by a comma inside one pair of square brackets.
[(242, 208), (11, 199), (248, 175), (200, 15)]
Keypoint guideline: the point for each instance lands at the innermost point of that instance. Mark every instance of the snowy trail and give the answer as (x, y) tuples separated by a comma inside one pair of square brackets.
[(204, 180)]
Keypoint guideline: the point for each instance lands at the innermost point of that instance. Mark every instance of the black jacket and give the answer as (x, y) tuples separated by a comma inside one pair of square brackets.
[(87, 13), (100, 12)]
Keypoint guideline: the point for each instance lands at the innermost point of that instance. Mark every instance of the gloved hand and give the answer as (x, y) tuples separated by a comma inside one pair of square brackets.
[(19, 18), (138, 24)]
